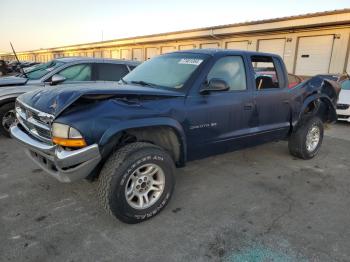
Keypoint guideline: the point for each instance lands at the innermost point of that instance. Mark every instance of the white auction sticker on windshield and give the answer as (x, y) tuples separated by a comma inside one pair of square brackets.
[(190, 61)]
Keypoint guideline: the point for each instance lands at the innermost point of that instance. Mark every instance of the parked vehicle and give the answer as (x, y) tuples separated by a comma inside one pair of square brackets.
[(26, 64), (12, 65), (17, 67), (31, 68), (343, 107), (171, 109), (3, 68), (294, 80), (58, 71)]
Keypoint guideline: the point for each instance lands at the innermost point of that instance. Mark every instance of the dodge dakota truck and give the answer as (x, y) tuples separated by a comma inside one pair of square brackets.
[(130, 136)]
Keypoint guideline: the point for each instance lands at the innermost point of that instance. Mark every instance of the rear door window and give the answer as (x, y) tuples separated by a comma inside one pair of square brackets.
[(111, 72), (266, 73)]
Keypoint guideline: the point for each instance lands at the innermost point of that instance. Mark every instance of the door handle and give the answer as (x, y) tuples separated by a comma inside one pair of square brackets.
[(248, 106)]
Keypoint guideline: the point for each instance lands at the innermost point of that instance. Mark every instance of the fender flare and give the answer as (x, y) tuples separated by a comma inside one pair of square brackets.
[(110, 137)]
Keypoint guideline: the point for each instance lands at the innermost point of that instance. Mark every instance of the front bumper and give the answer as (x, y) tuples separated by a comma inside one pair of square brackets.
[(66, 166), (343, 115)]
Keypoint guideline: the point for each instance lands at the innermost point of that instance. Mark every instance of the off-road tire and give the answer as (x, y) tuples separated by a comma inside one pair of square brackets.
[(119, 167), (297, 141), (3, 110)]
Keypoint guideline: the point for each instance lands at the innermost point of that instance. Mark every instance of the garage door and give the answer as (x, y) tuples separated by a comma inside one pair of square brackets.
[(168, 49), (137, 54), (97, 54), (210, 45), (274, 46), (115, 54), (151, 52), (314, 55), (125, 54), (186, 47), (106, 54), (240, 45)]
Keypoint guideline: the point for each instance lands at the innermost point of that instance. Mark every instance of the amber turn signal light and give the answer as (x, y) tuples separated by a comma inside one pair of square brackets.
[(69, 142)]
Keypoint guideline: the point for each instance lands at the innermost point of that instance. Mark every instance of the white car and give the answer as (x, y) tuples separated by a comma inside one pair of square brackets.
[(343, 107)]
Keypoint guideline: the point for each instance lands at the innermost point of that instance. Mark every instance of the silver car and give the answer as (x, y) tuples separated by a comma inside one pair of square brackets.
[(57, 72)]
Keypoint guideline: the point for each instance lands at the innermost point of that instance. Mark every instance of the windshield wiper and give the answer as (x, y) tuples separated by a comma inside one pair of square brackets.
[(122, 79), (143, 83)]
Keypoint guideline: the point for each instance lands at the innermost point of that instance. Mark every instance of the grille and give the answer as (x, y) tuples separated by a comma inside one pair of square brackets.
[(35, 122), (37, 118), (343, 106), (343, 116)]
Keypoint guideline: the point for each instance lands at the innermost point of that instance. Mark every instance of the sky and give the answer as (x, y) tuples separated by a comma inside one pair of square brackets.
[(35, 24)]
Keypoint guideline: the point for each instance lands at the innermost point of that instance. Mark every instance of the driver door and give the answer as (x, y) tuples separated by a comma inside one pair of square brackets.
[(217, 120)]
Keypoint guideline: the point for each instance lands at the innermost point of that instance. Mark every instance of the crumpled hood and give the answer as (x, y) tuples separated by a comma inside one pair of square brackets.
[(54, 100), (12, 80)]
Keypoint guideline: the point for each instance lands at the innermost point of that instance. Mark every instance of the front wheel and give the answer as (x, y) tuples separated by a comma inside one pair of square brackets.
[(7, 118), (136, 182), (306, 141)]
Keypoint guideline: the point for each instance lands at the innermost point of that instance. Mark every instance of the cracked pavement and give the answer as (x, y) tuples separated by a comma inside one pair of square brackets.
[(258, 204)]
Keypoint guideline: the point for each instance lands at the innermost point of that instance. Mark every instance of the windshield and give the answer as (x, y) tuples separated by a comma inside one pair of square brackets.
[(169, 71), (43, 69)]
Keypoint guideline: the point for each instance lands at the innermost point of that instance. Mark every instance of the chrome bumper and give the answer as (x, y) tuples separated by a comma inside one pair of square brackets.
[(65, 166), (343, 114)]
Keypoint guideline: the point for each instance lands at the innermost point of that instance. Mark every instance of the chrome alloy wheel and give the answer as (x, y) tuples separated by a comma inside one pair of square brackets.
[(313, 138), (8, 119), (145, 186)]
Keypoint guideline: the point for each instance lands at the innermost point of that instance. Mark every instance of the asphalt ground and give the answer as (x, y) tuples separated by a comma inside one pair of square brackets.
[(258, 204)]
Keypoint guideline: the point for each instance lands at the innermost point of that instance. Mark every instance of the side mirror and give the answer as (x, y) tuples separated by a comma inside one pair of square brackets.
[(57, 79), (215, 85)]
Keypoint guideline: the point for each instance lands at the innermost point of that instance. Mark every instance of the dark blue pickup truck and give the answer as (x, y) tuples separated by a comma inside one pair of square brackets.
[(130, 136)]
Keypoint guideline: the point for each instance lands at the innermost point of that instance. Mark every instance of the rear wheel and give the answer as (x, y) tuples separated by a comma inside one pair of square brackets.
[(306, 141), (7, 118), (136, 182)]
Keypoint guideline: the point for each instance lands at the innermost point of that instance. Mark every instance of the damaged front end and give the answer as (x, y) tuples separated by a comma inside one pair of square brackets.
[(34, 132), (61, 128)]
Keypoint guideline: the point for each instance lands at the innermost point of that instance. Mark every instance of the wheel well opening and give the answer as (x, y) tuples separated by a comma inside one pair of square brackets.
[(162, 136), (7, 101), (321, 108)]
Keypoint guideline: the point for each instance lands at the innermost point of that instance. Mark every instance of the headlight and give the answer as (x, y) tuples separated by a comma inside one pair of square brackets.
[(68, 136)]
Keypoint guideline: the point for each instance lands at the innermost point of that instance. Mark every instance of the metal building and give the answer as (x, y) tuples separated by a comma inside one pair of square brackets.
[(309, 44)]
